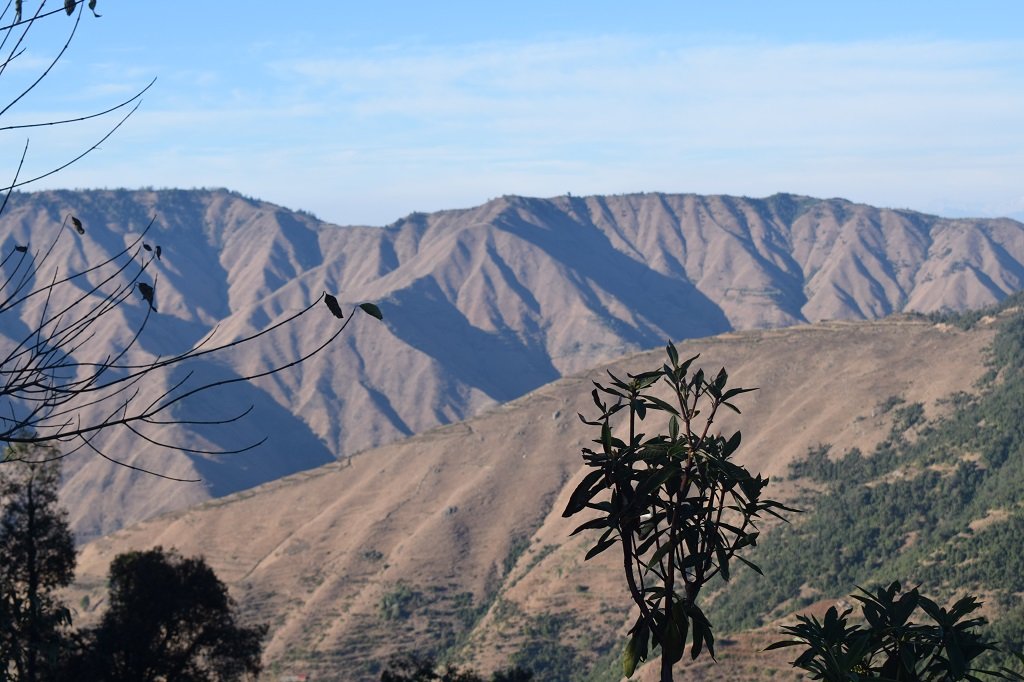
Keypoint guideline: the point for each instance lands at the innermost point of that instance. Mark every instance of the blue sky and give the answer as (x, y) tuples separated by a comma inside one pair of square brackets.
[(364, 112)]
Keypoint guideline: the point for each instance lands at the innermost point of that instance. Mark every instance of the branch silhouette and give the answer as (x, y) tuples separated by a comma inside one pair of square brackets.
[(60, 379)]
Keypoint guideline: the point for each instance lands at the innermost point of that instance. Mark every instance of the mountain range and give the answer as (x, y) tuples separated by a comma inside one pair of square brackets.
[(481, 306)]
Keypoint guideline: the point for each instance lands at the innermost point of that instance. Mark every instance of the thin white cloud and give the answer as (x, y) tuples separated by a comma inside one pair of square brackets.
[(875, 120), (764, 95)]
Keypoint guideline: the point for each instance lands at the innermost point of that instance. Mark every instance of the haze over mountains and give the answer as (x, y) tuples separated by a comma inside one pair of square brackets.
[(481, 305)]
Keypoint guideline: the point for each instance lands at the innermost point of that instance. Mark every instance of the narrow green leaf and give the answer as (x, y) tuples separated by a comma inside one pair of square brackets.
[(673, 355), (606, 439), (701, 632), (680, 617), (721, 380), (645, 546), (652, 480), (698, 640), (645, 379), (583, 493), (661, 404), (643, 634), (723, 561), (665, 549), (599, 547), (783, 644), (732, 444), (685, 367), (746, 540), (630, 657), (957, 663), (733, 392), (599, 522), (617, 382), (673, 645), (750, 564)]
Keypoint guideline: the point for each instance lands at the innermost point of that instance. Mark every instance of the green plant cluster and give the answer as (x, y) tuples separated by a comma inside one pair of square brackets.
[(907, 509), (895, 643), (676, 505), (399, 602), (544, 653), (412, 668), (969, 319)]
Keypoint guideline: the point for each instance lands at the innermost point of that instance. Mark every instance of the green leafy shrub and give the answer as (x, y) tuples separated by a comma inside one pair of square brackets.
[(399, 602), (678, 507), (891, 646)]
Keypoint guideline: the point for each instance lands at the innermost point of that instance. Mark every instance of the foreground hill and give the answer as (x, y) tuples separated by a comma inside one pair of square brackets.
[(452, 540), (481, 306)]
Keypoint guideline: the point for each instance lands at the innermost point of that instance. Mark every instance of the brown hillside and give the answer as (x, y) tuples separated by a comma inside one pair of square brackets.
[(457, 535)]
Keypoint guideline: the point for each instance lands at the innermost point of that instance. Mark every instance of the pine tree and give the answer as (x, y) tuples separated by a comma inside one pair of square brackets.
[(37, 557)]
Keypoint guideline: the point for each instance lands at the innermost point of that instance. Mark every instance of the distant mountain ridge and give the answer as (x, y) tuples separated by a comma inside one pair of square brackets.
[(483, 304)]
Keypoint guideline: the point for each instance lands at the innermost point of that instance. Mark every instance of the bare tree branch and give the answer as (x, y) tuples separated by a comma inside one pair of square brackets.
[(60, 381)]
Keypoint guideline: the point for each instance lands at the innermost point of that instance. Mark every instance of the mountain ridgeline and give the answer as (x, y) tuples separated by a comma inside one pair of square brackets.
[(481, 305)]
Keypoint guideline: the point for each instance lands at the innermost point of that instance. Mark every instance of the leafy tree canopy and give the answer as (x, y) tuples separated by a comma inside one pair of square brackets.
[(170, 618)]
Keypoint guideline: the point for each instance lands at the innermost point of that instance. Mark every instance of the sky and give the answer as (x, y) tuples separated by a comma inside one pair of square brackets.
[(364, 112)]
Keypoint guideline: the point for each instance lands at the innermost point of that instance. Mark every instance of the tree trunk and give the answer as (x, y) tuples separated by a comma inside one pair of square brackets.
[(32, 655)]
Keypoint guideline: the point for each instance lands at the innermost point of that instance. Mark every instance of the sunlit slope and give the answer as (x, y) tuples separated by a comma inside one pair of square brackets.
[(453, 539)]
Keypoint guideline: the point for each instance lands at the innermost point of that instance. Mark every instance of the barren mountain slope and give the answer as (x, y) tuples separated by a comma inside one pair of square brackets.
[(456, 534), (481, 306)]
